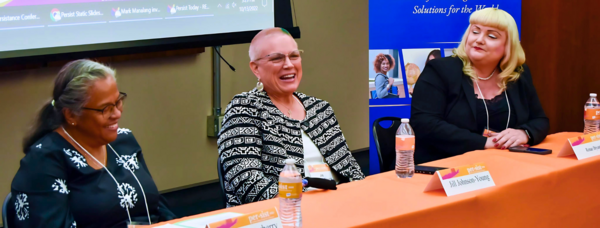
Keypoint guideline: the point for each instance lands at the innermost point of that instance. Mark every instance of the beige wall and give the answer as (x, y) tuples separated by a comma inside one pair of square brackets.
[(170, 98)]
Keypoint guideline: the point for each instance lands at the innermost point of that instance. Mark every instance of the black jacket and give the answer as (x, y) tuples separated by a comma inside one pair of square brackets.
[(443, 111)]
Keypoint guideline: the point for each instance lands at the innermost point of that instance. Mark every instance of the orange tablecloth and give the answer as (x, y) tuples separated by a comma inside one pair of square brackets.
[(531, 191)]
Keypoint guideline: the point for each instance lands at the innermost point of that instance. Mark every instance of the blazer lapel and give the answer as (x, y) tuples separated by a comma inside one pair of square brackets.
[(512, 91), (467, 86)]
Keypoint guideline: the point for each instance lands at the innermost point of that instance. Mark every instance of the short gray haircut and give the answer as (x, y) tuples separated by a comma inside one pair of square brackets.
[(254, 51)]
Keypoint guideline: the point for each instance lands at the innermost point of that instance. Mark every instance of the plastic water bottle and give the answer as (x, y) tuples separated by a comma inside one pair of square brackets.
[(591, 118), (405, 150), (290, 195)]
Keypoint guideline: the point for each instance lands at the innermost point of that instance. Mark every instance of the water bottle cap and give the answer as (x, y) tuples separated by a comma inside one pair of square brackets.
[(593, 95), (405, 120), (290, 161)]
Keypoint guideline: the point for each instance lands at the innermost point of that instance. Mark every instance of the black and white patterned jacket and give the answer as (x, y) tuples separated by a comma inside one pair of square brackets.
[(257, 137)]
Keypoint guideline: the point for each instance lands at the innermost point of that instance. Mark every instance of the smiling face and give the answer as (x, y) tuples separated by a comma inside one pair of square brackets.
[(96, 126), (485, 44), (279, 64), (385, 66)]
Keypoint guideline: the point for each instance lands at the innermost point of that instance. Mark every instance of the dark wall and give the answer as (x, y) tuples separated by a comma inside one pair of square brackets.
[(561, 40)]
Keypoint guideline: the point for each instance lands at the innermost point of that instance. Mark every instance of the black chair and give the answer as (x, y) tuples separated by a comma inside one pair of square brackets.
[(4, 210), (220, 173), (385, 140)]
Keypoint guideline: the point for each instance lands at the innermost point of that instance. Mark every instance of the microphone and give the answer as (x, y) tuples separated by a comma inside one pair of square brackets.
[(319, 183)]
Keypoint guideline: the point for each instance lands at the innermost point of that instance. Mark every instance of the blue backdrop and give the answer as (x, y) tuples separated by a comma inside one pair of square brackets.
[(403, 25)]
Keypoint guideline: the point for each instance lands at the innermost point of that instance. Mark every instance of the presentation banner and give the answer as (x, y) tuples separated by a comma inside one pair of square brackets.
[(403, 36)]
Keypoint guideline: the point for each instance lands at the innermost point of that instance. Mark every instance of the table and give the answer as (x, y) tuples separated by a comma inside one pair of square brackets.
[(531, 191)]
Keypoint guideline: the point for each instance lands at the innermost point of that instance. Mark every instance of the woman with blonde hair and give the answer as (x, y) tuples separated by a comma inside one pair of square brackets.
[(482, 97)]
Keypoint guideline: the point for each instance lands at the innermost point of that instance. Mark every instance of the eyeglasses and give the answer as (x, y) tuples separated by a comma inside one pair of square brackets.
[(278, 58), (110, 108)]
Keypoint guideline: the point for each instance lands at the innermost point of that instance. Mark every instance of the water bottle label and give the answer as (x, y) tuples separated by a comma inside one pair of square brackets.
[(405, 142), (592, 114), (290, 190)]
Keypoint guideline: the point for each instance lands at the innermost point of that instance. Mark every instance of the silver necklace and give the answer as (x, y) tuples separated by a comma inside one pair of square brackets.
[(113, 177), (289, 110), (486, 109), (488, 78)]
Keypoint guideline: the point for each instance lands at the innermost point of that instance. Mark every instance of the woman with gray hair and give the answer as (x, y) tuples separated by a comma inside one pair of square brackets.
[(79, 168)]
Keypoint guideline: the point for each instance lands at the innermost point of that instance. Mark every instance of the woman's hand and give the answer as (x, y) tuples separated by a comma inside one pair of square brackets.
[(490, 144), (509, 138), (391, 80)]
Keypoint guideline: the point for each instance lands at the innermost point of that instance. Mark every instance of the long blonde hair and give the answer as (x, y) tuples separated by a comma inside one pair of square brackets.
[(511, 65)]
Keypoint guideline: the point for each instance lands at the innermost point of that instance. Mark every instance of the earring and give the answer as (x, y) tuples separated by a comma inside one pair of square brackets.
[(73, 124), (259, 86)]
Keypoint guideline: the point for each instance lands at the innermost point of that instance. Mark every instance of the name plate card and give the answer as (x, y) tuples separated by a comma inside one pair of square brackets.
[(583, 147), (261, 219), (461, 179)]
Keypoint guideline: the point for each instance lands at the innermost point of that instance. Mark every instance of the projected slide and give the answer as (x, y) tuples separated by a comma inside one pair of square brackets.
[(35, 24), (7, 3)]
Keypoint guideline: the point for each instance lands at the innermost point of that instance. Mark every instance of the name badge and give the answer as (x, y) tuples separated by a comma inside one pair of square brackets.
[(488, 132), (260, 219), (583, 147), (461, 179), (320, 171)]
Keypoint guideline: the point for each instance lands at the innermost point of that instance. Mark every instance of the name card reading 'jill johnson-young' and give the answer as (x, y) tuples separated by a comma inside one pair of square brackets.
[(266, 218), (584, 146), (461, 179)]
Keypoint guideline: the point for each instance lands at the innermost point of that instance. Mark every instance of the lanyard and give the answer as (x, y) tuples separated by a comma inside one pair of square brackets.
[(486, 109), (113, 177)]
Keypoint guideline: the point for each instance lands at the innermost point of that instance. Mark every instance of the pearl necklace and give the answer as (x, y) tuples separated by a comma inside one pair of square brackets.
[(488, 78)]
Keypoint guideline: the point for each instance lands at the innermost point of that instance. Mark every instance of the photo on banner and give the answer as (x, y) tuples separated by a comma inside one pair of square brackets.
[(384, 71), (414, 63), (411, 33)]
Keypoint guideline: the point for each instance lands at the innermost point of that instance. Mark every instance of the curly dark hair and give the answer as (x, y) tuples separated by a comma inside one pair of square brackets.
[(379, 59)]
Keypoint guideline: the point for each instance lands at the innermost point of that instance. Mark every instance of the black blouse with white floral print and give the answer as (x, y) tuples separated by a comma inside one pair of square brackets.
[(56, 187)]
